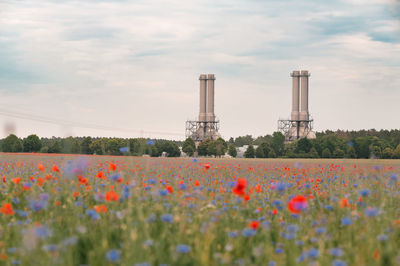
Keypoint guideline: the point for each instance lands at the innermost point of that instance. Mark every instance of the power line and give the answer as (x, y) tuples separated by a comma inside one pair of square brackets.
[(62, 122)]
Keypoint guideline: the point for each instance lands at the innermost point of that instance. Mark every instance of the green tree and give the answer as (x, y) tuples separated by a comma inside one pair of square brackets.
[(260, 152), (303, 146), (338, 153), (32, 143), (220, 147), (202, 149), (249, 153), (396, 152), (271, 154), (232, 150), (85, 145), (112, 146), (387, 153), (189, 147), (12, 144), (326, 153), (97, 147), (351, 152), (278, 143), (55, 147)]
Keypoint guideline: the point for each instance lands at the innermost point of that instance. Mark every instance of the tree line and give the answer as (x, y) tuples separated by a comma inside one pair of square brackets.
[(327, 144)]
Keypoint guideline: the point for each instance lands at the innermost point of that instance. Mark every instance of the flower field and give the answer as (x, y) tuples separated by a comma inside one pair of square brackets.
[(98, 210)]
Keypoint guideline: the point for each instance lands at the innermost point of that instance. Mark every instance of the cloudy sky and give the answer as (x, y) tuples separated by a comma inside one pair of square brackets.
[(131, 68)]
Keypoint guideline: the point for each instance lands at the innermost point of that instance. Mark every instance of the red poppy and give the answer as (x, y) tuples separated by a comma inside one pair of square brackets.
[(207, 166), (55, 168), (240, 187), (297, 204), (254, 225), (101, 208), (40, 167), (112, 167), (7, 209), (111, 196), (16, 180)]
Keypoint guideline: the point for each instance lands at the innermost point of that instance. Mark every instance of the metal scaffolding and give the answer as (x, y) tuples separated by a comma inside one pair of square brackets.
[(295, 129), (201, 130)]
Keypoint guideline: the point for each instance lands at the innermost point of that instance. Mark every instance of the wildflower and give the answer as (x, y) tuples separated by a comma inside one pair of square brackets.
[(182, 249), (240, 187), (7, 209), (101, 208), (50, 248), (382, 238), (93, 214), (42, 232), (169, 218), (337, 252), (100, 175), (55, 168), (313, 253), (278, 250), (41, 167), (371, 212), (248, 232), (111, 196), (297, 204), (339, 263), (206, 166), (364, 192), (274, 212), (320, 230), (113, 255), (254, 225), (112, 167), (344, 203), (346, 221), (170, 189), (16, 180)]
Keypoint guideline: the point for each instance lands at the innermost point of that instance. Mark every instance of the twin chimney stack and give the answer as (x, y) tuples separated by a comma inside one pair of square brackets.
[(298, 113), (207, 98)]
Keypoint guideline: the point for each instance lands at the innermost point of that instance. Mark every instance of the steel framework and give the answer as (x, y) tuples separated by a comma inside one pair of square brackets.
[(288, 127), (201, 130)]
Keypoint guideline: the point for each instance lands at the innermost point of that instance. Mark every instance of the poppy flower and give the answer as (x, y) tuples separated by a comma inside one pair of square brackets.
[(254, 225), (101, 208), (112, 196), (297, 204), (41, 167), (207, 166), (7, 209), (55, 168), (112, 167), (16, 180), (240, 187)]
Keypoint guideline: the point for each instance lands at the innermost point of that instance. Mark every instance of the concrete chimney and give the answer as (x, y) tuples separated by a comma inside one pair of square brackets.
[(203, 99), (304, 115), (295, 97), (210, 98)]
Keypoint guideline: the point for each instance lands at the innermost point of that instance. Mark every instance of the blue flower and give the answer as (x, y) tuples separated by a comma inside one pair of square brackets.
[(233, 234), (382, 237), (278, 250), (371, 212), (313, 253), (339, 263), (182, 249), (113, 255), (248, 232), (167, 218), (320, 230), (292, 228), (337, 252), (346, 221), (42, 232), (93, 214), (50, 248), (364, 192)]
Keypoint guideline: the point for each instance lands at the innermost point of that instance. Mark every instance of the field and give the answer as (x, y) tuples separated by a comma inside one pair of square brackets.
[(95, 210)]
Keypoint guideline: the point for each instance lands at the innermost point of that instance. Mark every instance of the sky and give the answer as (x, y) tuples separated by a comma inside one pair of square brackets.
[(131, 68)]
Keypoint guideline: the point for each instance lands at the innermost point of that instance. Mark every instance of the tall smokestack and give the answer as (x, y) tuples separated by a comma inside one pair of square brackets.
[(295, 97), (210, 98), (203, 100), (304, 115)]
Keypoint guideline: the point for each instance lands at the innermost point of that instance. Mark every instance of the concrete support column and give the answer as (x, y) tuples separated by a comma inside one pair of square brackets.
[(203, 99), (304, 115), (210, 98), (295, 95)]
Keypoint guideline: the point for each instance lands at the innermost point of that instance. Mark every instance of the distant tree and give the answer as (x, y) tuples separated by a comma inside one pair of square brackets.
[(326, 153), (259, 153), (249, 153), (32, 143), (220, 147), (231, 141), (12, 144), (112, 146), (244, 140), (375, 151), (278, 143), (97, 147), (338, 153), (396, 152), (85, 145), (76, 147), (232, 150), (303, 146), (44, 149), (351, 153), (313, 153), (271, 154), (55, 147), (171, 149), (387, 153), (189, 147), (202, 149)]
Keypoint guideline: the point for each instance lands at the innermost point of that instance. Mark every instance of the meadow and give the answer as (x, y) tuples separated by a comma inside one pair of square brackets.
[(103, 210)]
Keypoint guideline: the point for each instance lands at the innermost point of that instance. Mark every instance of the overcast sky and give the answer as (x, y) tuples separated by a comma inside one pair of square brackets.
[(133, 66)]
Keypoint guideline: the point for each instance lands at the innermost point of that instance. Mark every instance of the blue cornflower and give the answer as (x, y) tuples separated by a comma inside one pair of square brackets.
[(313, 253), (364, 192), (320, 230), (339, 263), (292, 228), (371, 212), (248, 232), (233, 234), (346, 221), (382, 237), (113, 255), (163, 192), (167, 218), (50, 248), (337, 252), (93, 214), (42, 232), (278, 250), (182, 249)]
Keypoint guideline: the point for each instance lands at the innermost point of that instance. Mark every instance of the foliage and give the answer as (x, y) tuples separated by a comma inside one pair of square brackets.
[(189, 147), (232, 150), (32, 143), (249, 153), (12, 144)]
